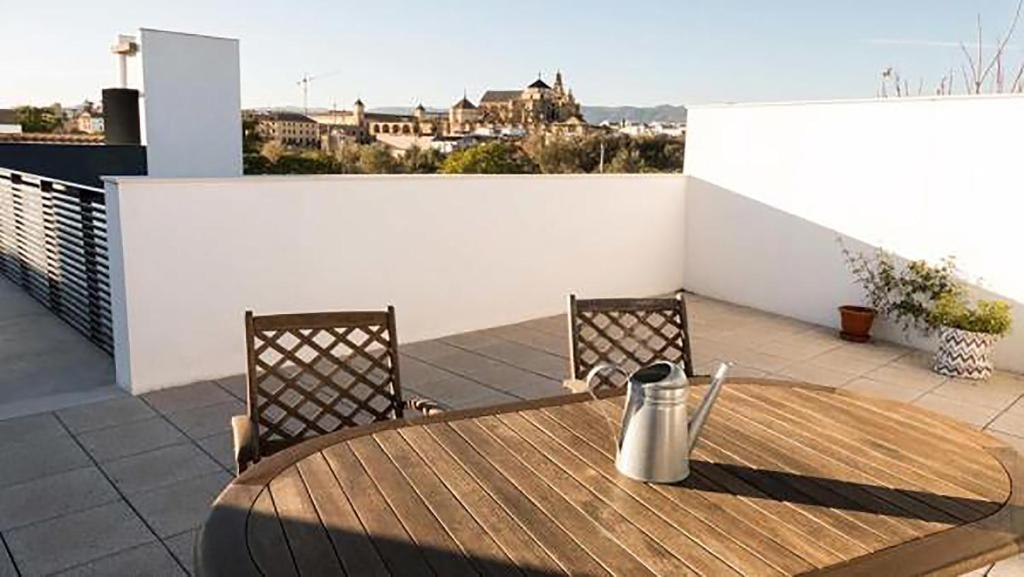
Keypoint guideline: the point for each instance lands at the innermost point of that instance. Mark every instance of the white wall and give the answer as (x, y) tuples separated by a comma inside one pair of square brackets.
[(192, 104), (451, 253), (772, 185)]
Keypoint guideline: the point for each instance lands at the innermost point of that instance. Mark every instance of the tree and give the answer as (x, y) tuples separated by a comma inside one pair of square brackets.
[(980, 74), (251, 140), (490, 158), (422, 160), (37, 119), (377, 159), (272, 151)]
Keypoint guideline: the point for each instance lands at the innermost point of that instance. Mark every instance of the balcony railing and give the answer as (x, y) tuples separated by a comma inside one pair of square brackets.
[(53, 243)]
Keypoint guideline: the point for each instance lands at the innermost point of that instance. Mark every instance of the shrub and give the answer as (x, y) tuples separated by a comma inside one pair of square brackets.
[(490, 158), (953, 310), (905, 294)]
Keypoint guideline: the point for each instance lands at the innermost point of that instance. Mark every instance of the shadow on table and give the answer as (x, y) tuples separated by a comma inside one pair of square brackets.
[(837, 494)]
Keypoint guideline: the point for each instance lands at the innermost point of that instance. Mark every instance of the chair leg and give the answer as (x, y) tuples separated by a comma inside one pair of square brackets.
[(243, 434)]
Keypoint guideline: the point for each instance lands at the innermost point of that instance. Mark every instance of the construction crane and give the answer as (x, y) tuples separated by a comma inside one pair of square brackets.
[(304, 83)]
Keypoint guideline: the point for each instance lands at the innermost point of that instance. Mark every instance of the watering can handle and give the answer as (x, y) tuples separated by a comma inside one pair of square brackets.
[(601, 368)]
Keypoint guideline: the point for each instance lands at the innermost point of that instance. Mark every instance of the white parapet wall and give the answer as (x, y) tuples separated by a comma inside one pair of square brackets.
[(771, 186), (452, 253)]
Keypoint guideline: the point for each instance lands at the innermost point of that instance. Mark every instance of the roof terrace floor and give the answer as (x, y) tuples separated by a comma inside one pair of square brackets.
[(118, 487), (45, 363)]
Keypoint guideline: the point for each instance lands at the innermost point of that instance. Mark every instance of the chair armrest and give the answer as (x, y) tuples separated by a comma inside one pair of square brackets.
[(575, 385), (425, 406), (243, 434)]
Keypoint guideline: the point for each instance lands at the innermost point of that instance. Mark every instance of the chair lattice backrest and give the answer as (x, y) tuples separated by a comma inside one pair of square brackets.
[(312, 374), (629, 333)]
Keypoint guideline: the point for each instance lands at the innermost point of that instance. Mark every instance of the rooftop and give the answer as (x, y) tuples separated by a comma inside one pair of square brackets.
[(149, 466)]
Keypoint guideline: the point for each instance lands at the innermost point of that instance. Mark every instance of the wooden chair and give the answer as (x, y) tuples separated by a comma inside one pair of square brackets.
[(312, 374), (629, 333)]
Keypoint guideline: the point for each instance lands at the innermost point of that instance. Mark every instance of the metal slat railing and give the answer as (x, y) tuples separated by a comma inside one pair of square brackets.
[(53, 243)]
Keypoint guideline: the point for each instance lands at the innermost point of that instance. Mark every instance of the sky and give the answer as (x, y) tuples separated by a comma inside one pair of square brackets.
[(399, 53)]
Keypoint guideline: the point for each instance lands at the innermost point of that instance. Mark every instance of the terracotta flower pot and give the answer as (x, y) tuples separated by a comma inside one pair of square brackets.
[(857, 323)]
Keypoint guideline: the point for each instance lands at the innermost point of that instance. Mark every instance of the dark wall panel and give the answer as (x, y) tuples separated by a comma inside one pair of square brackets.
[(80, 164)]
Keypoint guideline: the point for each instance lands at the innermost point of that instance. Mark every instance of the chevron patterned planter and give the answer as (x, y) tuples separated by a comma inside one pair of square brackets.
[(964, 354)]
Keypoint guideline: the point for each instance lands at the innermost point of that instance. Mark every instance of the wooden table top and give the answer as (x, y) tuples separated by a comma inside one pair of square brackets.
[(785, 480)]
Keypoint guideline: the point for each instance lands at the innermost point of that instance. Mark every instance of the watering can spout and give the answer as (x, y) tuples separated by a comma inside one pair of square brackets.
[(696, 423)]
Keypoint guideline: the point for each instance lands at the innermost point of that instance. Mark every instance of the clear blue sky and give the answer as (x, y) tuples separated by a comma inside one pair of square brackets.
[(639, 52)]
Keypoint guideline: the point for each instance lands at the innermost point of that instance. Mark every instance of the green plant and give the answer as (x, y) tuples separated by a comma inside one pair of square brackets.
[(986, 316), (490, 158), (902, 292)]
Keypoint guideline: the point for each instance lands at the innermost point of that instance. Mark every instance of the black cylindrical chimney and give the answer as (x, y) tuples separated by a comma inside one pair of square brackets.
[(121, 116)]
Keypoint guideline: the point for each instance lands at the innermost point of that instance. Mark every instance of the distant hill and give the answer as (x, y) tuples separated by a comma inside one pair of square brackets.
[(662, 113), (593, 114)]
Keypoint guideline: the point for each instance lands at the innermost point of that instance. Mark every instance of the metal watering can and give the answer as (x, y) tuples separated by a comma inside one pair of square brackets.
[(657, 435)]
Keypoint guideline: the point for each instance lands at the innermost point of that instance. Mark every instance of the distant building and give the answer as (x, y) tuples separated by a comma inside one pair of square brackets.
[(89, 122), (9, 123), (368, 125), (673, 129), (288, 129), (538, 105)]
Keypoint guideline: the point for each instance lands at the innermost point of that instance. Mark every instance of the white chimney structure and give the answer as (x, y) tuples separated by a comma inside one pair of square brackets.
[(191, 90)]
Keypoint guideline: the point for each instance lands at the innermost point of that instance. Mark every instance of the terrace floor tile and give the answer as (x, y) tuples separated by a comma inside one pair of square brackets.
[(158, 468), (187, 397), (130, 439), (528, 358), (105, 414), (149, 560), (235, 385), (7, 568), (53, 496), (31, 428), (38, 458), (816, 374), (180, 506), (221, 447), (205, 421), (540, 340), (182, 546), (881, 390), (973, 414), (64, 542), (992, 393)]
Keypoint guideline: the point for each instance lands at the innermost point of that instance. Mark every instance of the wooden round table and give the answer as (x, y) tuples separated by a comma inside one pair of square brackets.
[(786, 480)]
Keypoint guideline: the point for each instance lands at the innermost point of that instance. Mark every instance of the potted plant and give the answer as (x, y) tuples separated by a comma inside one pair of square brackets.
[(902, 292), (967, 334)]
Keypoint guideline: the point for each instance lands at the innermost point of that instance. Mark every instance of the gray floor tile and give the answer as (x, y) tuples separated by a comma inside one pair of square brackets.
[(54, 496), (458, 392), (205, 421), (32, 428), (159, 468), (7, 568), (547, 342), (187, 397), (183, 547), (430, 351), (105, 414), (417, 373), (40, 458), (149, 560), (472, 340), (131, 439), (527, 358), (64, 542), (498, 375), (221, 447), (181, 506), (235, 385)]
